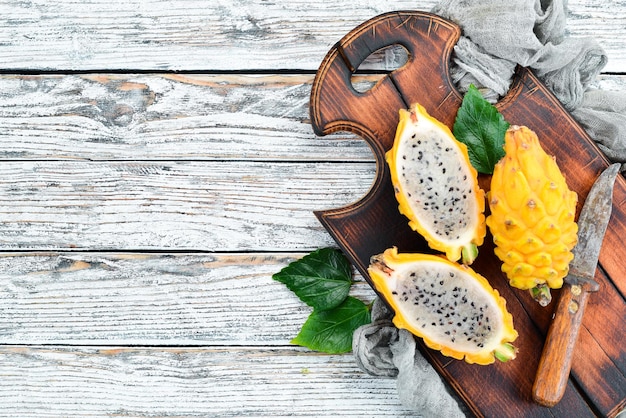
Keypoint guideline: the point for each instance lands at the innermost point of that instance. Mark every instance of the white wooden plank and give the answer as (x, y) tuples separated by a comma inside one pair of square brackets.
[(177, 34), (207, 206), (198, 117), (604, 21), (172, 117), (150, 299), (221, 35), (215, 382)]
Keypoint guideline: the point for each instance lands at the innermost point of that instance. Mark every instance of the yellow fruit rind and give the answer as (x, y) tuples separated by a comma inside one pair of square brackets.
[(384, 264), (467, 250), (532, 215)]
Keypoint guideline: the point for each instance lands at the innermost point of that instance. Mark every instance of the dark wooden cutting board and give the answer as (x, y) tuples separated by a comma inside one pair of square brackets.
[(597, 385)]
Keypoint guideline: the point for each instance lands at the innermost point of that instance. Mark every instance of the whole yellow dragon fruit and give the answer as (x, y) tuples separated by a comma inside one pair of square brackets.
[(450, 306), (436, 186), (532, 215)]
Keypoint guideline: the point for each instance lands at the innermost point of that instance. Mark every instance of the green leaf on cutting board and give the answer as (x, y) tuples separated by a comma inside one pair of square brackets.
[(481, 127)]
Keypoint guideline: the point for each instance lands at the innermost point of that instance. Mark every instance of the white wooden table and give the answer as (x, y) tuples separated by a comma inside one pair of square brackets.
[(158, 166)]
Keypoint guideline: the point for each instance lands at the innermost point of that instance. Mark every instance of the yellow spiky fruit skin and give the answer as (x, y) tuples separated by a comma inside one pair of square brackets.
[(532, 213), (450, 306), (439, 193)]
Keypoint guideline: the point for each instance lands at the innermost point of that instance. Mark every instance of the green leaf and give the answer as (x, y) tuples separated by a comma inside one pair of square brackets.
[(481, 127), (331, 331), (321, 279)]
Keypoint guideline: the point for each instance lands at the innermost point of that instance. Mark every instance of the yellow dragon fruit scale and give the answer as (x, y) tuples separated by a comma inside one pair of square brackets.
[(532, 213)]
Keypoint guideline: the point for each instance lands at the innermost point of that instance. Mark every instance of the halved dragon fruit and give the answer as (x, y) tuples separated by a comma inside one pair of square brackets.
[(436, 185)]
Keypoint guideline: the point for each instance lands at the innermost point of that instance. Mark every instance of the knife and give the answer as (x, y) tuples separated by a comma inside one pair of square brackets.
[(556, 359)]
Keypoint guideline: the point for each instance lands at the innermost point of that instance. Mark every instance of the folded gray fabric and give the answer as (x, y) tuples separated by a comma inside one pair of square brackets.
[(498, 35), (603, 115), (371, 343), (419, 386), (383, 350)]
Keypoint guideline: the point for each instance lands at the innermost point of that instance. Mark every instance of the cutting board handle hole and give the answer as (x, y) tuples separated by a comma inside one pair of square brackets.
[(377, 65)]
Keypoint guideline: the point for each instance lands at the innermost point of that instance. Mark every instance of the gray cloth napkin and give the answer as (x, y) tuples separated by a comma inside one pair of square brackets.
[(497, 36), (500, 34), (383, 350)]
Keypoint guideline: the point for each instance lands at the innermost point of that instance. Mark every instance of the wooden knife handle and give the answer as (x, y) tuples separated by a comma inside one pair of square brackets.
[(556, 358)]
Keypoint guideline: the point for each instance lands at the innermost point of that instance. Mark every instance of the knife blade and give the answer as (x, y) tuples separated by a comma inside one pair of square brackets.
[(556, 359)]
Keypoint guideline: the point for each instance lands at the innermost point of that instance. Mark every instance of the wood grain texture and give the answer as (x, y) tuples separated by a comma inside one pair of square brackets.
[(177, 35), (215, 382), (173, 117), (185, 299), (220, 35), (217, 300), (206, 206), (150, 299)]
